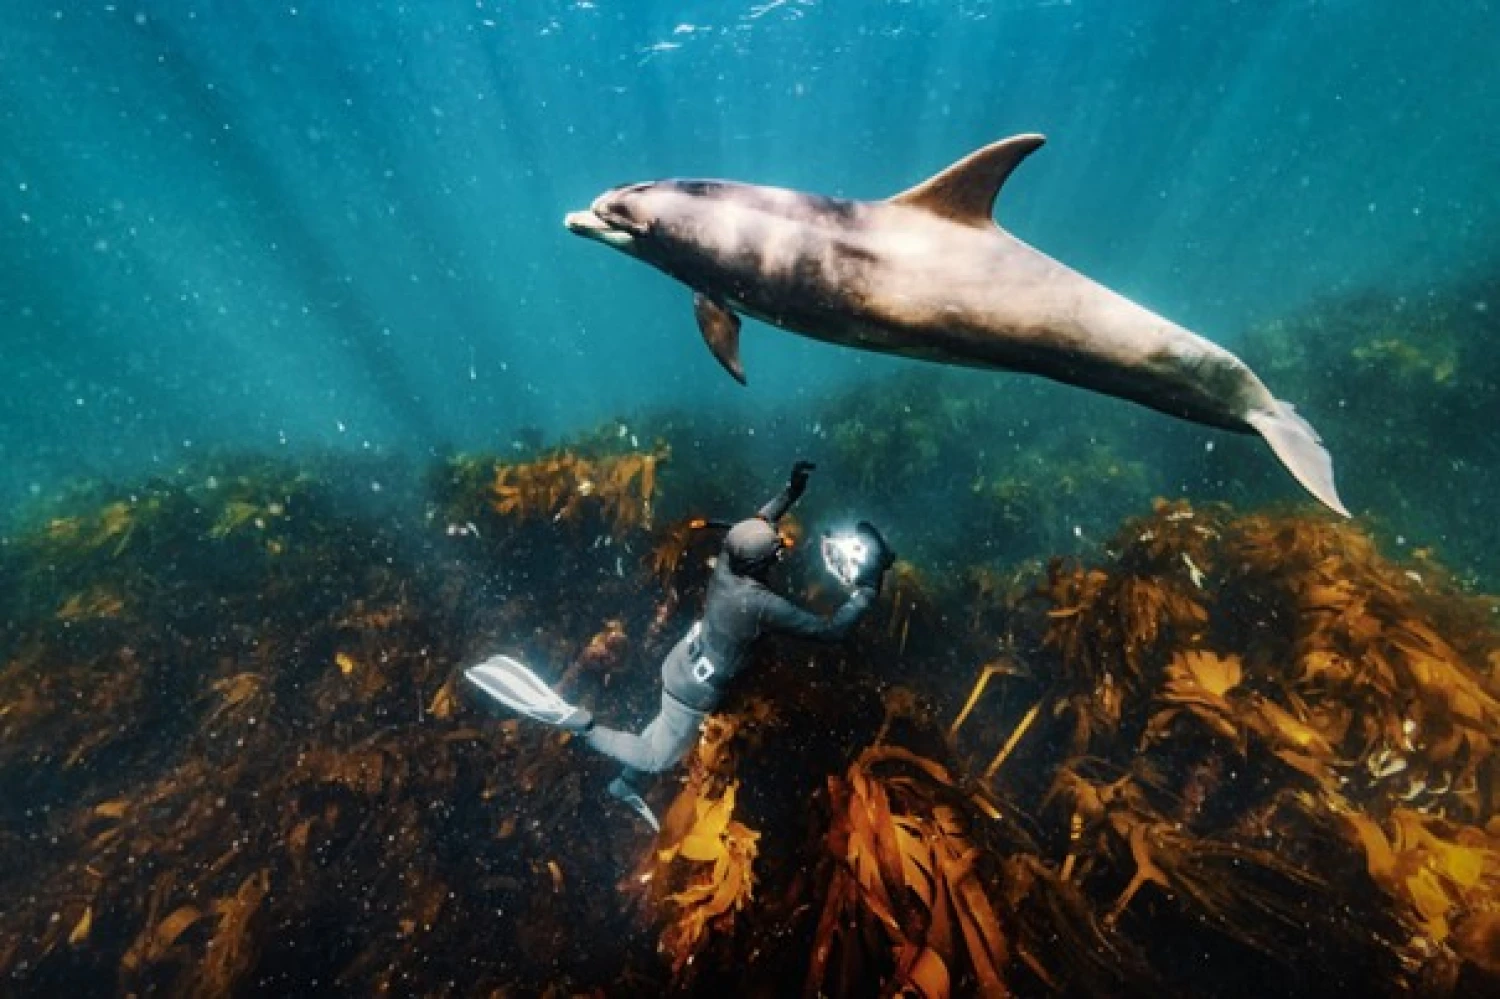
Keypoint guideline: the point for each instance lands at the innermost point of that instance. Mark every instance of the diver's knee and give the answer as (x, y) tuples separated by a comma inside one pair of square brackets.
[(665, 758), (657, 763)]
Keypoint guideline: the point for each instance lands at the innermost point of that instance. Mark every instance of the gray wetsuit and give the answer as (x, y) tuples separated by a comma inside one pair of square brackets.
[(738, 610)]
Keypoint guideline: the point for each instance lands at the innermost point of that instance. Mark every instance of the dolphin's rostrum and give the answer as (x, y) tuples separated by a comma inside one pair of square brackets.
[(929, 274)]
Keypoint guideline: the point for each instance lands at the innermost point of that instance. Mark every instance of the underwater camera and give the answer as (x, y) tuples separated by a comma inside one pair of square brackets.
[(845, 555)]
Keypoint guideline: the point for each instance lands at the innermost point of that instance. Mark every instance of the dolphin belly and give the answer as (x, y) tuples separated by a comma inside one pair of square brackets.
[(996, 303)]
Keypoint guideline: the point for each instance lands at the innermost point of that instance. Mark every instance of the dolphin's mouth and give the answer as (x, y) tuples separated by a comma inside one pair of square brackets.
[(595, 226)]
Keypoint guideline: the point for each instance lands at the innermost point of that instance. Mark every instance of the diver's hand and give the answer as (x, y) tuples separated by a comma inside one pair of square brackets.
[(880, 556), (796, 483)]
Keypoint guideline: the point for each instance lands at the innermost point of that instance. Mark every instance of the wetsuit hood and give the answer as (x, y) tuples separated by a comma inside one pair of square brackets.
[(751, 546)]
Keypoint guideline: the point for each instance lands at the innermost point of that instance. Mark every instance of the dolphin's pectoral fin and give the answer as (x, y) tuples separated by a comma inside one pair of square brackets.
[(966, 191), (721, 331), (1300, 449)]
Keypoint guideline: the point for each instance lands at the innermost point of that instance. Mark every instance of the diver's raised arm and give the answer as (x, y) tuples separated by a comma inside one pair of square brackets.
[(796, 485)]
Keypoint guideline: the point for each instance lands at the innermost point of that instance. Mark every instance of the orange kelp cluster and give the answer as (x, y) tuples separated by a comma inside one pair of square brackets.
[(700, 872), (232, 756), (909, 880), (564, 486), (1265, 722)]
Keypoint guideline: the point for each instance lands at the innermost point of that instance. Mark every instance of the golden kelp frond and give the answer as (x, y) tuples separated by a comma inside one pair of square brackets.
[(712, 759), (906, 882), (1196, 685), (159, 938), (229, 949), (1209, 671), (367, 771), (701, 869), (601, 654), (241, 694), (94, 604), (1116, 623), (565, 486), (1363, 637), (1151, 609), (1438, 871), (1081, 625), (116, 521), (1245, 891), (232, 948), (1293, 739), (238, 515), (445, 701), (109, 529), (671, 549), (704, 858)]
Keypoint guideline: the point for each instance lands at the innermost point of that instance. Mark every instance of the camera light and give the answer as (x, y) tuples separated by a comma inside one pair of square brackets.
[(844, 556)]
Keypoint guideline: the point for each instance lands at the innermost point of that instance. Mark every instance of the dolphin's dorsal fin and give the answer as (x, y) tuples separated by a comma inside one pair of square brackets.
[(965, 192), (721, 331)]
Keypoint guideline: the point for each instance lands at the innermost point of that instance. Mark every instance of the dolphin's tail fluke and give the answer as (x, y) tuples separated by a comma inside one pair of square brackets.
[(1301, 450)]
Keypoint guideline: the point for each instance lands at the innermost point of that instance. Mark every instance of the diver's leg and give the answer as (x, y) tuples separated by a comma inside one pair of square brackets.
[(626, 747), (664, 742), (660, 745), (623, 790), (627, 783), (629, 748)]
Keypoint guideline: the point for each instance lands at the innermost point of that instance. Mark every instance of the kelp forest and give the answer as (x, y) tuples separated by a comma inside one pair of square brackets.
[(1127, 719)]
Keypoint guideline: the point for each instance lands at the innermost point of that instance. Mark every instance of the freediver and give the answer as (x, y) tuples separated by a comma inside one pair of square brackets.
[(739, 608)]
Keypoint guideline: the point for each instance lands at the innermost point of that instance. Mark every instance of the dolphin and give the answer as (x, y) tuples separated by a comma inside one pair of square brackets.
[(929, 274)]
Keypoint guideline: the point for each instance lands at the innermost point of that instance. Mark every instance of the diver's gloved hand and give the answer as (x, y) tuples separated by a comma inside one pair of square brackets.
[(796, 483), (880, 556)]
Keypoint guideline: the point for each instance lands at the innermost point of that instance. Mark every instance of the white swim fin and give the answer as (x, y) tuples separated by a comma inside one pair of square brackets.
[(513, 685)]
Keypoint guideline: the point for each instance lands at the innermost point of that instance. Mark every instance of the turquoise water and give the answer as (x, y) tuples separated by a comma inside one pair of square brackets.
[(283, 226)]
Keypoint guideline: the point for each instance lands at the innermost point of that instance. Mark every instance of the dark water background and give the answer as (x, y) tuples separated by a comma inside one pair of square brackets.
[(289, 226)]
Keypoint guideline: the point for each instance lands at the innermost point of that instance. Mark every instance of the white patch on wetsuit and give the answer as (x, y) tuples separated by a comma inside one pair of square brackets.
[(703, 667)]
